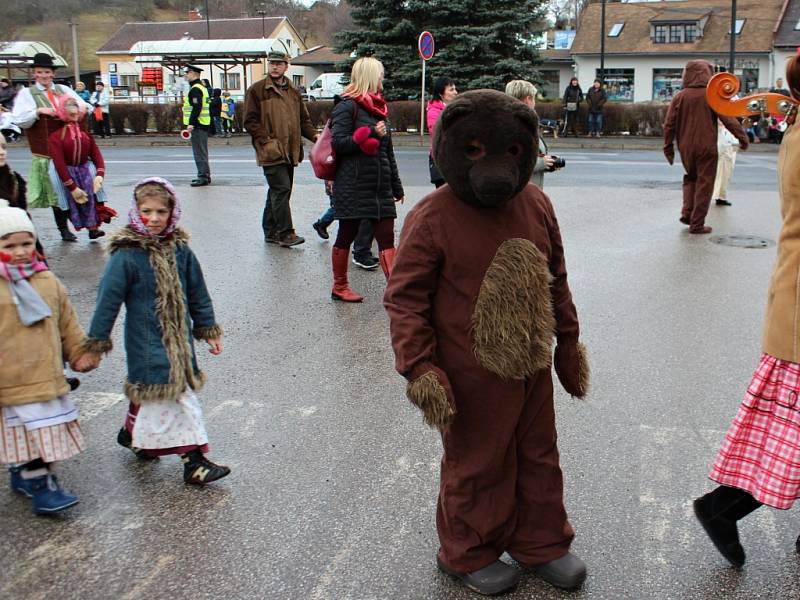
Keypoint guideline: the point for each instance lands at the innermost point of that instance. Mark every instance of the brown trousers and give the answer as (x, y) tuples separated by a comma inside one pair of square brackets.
[(501, 484), (698, 185)]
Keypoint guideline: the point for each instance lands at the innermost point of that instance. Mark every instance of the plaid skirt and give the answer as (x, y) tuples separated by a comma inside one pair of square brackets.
[(761, 451)]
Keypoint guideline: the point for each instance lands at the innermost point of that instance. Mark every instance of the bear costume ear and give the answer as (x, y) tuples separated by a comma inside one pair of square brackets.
[(527, 116), (454, 113)]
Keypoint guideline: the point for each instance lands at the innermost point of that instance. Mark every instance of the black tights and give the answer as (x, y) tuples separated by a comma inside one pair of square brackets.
[(383, 230)]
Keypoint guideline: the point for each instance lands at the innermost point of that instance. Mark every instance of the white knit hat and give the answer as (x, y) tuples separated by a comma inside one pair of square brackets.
[(14, 220)]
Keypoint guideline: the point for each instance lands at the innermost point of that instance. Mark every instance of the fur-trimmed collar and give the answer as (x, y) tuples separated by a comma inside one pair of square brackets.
[(127, 238)]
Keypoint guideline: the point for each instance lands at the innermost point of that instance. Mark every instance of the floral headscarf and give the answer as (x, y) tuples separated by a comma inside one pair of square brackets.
[(135, 219)]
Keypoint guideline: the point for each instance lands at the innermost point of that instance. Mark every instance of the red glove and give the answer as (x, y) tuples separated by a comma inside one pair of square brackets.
[(369, 145)]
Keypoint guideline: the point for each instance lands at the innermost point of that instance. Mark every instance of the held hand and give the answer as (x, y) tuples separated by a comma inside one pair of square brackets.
[(190, 128), (46, 111), (79, 196), (215, 346), (87, 362), (97, 183), (380, 128), (400, 200)]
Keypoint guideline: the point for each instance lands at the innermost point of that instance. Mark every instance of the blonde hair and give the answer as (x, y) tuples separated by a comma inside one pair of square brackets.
[(521, 89), (154, 190), (365, 78)]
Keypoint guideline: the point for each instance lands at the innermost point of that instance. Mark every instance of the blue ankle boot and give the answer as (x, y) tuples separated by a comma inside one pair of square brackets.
[(48, 497), (18, 484)]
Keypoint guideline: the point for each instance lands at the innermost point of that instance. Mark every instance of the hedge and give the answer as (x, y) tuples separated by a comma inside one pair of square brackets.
[(643, 118)]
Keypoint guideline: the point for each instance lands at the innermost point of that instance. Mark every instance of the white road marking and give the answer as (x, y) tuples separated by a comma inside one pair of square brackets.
[(91, 404)]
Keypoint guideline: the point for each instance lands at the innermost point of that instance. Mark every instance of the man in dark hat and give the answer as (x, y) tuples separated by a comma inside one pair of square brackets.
[(197, 120), (276, 117), (34, 111)]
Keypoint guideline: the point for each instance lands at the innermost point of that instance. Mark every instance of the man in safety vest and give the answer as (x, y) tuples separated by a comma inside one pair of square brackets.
[(197, 120)]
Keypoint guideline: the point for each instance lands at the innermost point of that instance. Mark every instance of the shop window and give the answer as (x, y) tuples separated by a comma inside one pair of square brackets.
[(618, 84), (129, 81), (666, 83)]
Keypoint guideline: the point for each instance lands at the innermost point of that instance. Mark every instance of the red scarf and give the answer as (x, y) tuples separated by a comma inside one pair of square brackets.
[(374, 104)]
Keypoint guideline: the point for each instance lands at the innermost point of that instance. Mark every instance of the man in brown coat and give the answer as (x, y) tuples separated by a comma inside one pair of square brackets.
[(275, 117), (691, 122)]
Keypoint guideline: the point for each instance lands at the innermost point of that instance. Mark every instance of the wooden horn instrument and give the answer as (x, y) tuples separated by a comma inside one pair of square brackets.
[(721, 97)]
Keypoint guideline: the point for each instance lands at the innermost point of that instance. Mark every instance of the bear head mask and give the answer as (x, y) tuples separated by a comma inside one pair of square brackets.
[(486, 145)]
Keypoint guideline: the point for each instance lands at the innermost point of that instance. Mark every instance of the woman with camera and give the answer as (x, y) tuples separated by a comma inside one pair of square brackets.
[(526, 92), (367, 182)]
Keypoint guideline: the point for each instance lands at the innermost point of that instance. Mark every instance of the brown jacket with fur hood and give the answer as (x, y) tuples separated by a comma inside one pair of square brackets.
[(32, 358), (276, 118)]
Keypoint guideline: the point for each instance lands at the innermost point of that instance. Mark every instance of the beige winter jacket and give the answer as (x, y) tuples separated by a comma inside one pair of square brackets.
[(782, 331), (31, 358)]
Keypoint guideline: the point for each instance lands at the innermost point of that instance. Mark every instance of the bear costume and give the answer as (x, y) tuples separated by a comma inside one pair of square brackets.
[(477, 293), (693, 124)]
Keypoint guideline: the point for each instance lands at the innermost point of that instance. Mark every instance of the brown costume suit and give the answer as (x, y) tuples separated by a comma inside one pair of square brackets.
[(693, 124), (478, 289)]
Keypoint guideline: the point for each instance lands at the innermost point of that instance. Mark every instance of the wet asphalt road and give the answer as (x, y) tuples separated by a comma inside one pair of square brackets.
[(334, 477)]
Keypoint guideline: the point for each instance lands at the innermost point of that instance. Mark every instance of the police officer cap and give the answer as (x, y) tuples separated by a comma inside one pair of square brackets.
[(278, 55), (193, 68)]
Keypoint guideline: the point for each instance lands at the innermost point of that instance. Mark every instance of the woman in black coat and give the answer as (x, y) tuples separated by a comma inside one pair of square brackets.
[(573, 96), (367, 182)]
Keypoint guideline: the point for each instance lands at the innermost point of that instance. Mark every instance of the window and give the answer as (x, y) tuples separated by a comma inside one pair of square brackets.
[(129, 81), (619, 84), (660, 34), (691, 33), (796, 28), (550, 83), (616, 30), (297, 80), (666, 83), (233, 81), (739, 26), (675, 34)]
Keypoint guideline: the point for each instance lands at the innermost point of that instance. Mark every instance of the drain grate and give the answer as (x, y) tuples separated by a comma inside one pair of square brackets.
[(742, 241)]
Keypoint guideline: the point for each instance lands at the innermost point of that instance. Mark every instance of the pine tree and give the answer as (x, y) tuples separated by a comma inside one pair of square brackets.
[(383, 29), (482, 44), (479, 43)]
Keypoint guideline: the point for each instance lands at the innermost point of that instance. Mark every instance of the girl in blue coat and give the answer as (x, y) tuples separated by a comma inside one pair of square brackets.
[(155, 274)]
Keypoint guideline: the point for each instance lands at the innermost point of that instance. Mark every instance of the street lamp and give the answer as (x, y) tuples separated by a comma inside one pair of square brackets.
[(263, 12), (732, 59), (603, 42)]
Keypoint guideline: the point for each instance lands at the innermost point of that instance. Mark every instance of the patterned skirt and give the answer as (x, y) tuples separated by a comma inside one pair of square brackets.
[(168, 427), (761, 451), (52, 443)]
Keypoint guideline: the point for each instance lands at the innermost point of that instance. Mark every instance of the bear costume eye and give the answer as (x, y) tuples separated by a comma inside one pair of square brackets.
[(475, 150), (514, 150)]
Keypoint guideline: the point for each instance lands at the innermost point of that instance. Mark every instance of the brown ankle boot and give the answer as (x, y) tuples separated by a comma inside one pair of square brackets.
[(386, 258), (341, 290)]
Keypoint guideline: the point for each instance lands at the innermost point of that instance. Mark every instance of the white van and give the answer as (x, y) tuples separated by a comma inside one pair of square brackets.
[(325, 87)]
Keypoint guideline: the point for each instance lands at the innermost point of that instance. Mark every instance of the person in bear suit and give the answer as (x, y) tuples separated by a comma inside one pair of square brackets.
[(693, 124), (477, 293)]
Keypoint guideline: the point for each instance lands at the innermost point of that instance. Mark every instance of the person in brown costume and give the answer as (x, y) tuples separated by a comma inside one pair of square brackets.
[(693, 124), (477, 293)]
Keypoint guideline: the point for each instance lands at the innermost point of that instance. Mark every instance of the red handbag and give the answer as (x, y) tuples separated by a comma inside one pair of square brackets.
[(322, 156)]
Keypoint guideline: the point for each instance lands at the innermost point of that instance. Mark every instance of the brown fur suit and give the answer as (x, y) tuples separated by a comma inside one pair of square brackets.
[(478, 291), (693, 124)]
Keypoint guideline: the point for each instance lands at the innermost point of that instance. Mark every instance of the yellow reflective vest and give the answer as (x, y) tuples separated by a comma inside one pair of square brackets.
[(205, 116)]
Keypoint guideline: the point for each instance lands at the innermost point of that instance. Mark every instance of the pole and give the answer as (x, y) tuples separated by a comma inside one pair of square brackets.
[(422, 103), (75, 60), (603, 41), (208, 24), (732, 58)]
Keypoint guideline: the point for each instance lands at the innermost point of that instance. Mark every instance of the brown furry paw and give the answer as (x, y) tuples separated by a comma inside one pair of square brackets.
[(572, 367), (430, 396)]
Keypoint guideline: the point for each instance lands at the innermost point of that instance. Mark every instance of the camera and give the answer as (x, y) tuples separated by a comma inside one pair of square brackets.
[(558, 163)]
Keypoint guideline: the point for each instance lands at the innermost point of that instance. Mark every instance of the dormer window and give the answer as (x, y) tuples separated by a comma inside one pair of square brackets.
[(739, 26), (675, 33), (616, 30)]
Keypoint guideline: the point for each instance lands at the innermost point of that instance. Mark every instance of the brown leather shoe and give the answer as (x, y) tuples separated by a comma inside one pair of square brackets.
[(701, 230), (288, 240)]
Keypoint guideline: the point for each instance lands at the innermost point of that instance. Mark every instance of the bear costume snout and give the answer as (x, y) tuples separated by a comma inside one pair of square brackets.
[(486, 145)]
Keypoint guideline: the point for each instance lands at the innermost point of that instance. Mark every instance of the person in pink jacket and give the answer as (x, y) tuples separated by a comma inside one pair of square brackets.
[(444, 90)]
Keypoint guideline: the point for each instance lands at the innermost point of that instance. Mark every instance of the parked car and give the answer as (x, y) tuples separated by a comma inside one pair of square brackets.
[(326, 86)]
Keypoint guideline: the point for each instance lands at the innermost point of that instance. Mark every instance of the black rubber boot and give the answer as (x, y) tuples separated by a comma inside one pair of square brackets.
[(63, 225), (494, 578), (718, 512)]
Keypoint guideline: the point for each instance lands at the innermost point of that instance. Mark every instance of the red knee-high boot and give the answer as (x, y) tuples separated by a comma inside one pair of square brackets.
[(341, 291), (386, 258)]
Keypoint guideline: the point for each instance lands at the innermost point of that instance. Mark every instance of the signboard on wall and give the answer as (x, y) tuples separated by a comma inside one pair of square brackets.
[(113, 80)]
